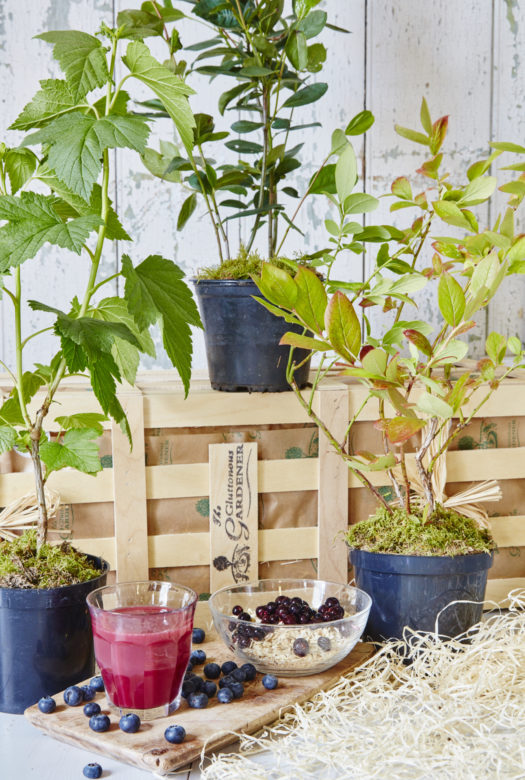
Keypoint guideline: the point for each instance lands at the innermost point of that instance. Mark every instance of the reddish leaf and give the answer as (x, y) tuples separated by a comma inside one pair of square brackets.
[(439, 131), (421, 342), (365, 350), (400, 429)]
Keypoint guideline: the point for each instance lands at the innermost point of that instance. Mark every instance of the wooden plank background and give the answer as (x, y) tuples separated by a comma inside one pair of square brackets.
[(467, 58)]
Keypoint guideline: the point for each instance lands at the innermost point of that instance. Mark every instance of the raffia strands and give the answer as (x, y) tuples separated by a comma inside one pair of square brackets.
[(22, 514), (456, 712)]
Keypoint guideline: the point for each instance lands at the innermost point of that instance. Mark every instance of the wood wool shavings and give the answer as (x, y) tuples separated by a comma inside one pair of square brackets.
[(457, 711)]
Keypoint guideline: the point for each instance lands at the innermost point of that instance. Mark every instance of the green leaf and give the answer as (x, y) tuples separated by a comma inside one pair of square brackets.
[(78, 451), (360, 203), (316, 57), (54, 98), (286, 316), (83, 420), (161, 166), (171, 90), (450, 352), (312, 25), (514, 345), (33, 222), (401, 188), (343, 327), (20, 164), (426, 121), (82, 58), (78, 140), (93, 335), (412, 135), (311, 300), (434, 406), (304, 342), (451, 299), (421, 341), (323, 181), (375, 361), (297, 49), (104, 374), (484, 274), (496, 347), (451, 214), (401, 429), (345, 173), (514, 188), (277, 285), (517, 250), (478, 191), (360, 123), (7, 438), (186, 210), (155, 291), (243, 147), (504, 146), (244, 126), (306, 95)]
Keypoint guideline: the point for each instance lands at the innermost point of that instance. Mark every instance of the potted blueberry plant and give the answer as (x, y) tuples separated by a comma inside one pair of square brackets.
[(266, 53), (73, 122), (414, 555)]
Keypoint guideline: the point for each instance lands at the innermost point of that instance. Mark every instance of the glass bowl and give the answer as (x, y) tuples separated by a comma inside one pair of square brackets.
[(275, 648)]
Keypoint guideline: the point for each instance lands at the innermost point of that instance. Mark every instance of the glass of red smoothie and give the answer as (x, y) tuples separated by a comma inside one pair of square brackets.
[(142, 636)]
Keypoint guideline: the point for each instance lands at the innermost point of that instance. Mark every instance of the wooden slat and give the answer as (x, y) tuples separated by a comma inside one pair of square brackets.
[(508, 531), (192, 549), (498, 590), (333, 491), (129, 486)]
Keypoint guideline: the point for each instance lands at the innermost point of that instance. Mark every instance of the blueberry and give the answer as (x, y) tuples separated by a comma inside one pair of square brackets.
[(239, 675), (301, 647), (198, 701), (250, 671), (189, 667), (212, 671), (88, 692), (73, 696), (47, 704), (130, 723), (209, 688), (198, 636), (270, 682), (244, 642), (324, 643), (99, 723), (97, 683), (225, 695), (92, 770), (228, 666), (190, 686), (225, 681), (237, 688), (175, 734), (91, 708), (198, 657)]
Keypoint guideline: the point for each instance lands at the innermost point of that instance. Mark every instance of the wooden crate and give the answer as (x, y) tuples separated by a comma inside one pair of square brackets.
[(158, 403)]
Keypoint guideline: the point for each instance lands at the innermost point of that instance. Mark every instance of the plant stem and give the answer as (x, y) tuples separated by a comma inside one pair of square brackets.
[(425, 474), (390, 473), (19, 347)]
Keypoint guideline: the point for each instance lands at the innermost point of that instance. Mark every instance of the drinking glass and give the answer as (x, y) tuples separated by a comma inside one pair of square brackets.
[(142, 636)]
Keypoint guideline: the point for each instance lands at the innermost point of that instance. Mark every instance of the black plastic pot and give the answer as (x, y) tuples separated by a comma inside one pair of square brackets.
[(412, 590), (242, 339), (46, 642)]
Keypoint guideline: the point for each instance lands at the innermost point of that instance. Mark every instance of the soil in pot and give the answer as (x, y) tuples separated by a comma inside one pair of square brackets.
[(46, 639)]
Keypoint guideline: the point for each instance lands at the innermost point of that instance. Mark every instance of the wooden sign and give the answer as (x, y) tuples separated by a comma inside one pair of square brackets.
[(234, 553)]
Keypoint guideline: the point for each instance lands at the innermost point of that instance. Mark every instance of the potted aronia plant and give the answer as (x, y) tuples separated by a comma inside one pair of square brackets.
[(418, 552), (267, 54), (73, 123)]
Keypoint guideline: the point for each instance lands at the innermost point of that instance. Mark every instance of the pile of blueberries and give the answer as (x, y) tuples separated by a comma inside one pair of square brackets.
[(285, 610), (199, 690)]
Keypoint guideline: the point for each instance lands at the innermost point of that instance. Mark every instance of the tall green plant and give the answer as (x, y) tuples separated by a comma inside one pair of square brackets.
[(267, 48), (78, 120), (408, 368)]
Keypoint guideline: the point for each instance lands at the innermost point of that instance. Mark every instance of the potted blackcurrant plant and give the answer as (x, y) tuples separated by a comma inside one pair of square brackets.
[(266, 53), (416, 554), (73, 122)]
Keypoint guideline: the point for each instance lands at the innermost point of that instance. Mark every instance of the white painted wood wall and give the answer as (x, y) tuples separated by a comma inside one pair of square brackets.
[(466, 57)]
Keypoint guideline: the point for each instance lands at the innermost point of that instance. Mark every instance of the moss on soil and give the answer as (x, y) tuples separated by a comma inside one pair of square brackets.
[(244, 266), (442, 533), (55, 565)]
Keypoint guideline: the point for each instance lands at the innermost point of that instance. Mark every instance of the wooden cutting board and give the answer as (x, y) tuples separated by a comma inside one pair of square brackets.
[(211, 727)]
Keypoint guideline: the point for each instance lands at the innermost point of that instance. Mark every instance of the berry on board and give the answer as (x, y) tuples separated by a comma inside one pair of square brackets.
[(130, 723), (239, 675), (99, 723), (270, 682), (73, 696), (175, 734), (198, 636), (88, 692), (237, 688), (91, 708), (97, 683), (47, 704), (225, 695), (92, 771), (212, 671), (198, 657), (250, 671), (228, 666), (209, 688), (197, 701)]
